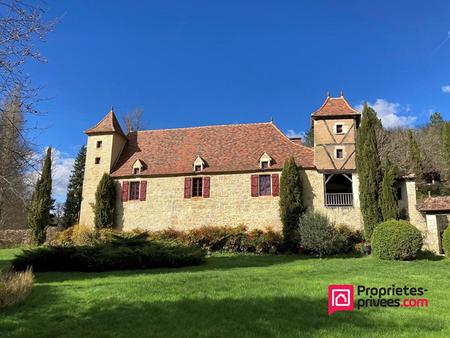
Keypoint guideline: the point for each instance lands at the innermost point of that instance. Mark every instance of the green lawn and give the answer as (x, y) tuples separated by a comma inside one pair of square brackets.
[(230, 296)]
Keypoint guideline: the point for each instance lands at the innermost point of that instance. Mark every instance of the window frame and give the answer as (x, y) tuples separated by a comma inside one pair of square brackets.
[(265, 165), (197, 189), (266, 189), (131, 196), (136, 171), (341, 127), (98, 160), (339, 151), (99, 144)]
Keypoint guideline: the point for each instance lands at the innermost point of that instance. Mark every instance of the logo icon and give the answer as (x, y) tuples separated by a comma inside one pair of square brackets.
[(340, 298)]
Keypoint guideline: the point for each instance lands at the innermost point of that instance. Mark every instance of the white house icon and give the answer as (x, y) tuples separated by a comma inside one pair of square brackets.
[(340, 297)]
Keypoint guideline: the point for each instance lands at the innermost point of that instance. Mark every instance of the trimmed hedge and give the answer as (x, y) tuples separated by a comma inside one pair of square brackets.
[(120, 254), (446, 242), (396, 240)]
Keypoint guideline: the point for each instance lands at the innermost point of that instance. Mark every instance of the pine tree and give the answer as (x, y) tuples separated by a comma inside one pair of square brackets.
[(74, 190), (436, 119), (309, 138), (368, 166), (41, 204), (388, 193), (105, 203), (415, 157), (291, 203), (446, 148)]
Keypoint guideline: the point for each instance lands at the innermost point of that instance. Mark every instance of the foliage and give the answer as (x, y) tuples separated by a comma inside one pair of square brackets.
[(368, 166), (446, 149), (436, 189), (309, 138), (225, 239), (436, 118), (397, 240), (15, 286), (388, 193), (105, 203), (41, 204), (446, 242), (318, 235), (125, 254), (291, 203), (415, 157), (74, 190)]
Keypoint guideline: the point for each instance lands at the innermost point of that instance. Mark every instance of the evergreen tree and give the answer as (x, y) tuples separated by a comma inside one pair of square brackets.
[(105, 203), (436, 119), (74, 190), (388, 193), (309, 138), (415, 157), (446, 148), (291, 203), (368, 166), (41, 204)]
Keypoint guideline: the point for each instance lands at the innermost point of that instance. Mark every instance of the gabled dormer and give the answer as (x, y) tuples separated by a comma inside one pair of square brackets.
[(199, 164), (138, 167), (265, 161)]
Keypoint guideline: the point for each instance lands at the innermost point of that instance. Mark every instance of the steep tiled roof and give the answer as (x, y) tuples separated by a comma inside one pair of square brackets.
[(108, 124), (227, 148), (335, 106), (440, 203)]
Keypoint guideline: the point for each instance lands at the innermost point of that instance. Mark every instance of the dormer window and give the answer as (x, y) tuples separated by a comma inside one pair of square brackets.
[(199, 164), (265, 161), (138, 166)]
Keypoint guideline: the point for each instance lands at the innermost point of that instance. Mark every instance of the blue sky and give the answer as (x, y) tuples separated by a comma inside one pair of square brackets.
[(190, 63)]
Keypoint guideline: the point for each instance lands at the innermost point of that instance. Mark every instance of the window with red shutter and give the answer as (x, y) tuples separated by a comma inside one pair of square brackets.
[(254, 185), (125, 191), (275, 185), (187, 187), (206, 185), (264, 185), (143, 191), (197, 187), (134, 191)]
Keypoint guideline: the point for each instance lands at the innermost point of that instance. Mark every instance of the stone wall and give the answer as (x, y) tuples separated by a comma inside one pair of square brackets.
[(17, 237), (230, 203)]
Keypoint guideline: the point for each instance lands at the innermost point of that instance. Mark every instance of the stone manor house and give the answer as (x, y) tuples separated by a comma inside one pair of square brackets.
[(230, 174)]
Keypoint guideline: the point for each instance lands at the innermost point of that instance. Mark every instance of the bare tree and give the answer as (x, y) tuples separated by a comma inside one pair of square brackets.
[(133, 120)]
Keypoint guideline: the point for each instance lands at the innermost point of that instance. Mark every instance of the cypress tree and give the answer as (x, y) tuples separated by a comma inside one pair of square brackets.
[(41, 204), (415, 157), (309, 138), (388, 193), (291, 203), (105, 203), (446, 148), (368, 167), (74, 190)]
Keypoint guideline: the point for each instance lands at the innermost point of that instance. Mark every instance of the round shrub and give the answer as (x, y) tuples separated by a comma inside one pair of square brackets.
[(396, 240), (446, 242)]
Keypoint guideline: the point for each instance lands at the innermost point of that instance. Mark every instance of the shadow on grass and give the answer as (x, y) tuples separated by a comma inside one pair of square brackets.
[(429, 256), (206, 317)]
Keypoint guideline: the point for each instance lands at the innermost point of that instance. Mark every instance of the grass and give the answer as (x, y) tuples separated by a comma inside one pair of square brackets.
[(231, 295)]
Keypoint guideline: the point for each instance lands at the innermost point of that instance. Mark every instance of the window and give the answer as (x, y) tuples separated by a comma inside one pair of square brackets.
[(339, 153), (97, 160), (339, 129), (134, 191), (197, 187), (264, 185), (198, 168), (265, 164), (136, 171), (99, 144), (399, 193)]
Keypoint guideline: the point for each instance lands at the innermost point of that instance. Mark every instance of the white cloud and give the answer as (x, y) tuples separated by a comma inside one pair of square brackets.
[(291, 133), (62, 165), (392, 114), (446, 89)]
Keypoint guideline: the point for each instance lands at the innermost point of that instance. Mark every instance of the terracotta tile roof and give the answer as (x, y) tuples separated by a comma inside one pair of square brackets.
[(440, 203), (107, 125), (335, 106), (227, 148)]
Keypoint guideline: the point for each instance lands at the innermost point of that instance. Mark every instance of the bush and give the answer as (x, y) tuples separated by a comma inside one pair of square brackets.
[(396, 240), (319, 236), (349, 238), (446, 242), (15, 286), (121, 254)]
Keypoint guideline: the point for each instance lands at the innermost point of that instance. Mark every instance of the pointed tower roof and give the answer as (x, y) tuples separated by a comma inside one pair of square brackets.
[(109, 124), (335, 107)]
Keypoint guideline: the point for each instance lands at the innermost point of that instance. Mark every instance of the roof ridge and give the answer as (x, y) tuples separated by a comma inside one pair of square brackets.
[(202, 127)]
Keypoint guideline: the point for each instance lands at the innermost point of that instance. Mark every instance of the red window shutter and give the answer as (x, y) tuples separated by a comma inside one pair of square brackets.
[(143, 192), (125, 191), (187, 187), (275, 185), (206, 184), (254, 185)]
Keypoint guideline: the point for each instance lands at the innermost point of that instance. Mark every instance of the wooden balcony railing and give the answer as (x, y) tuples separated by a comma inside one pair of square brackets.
[(338, 199)]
